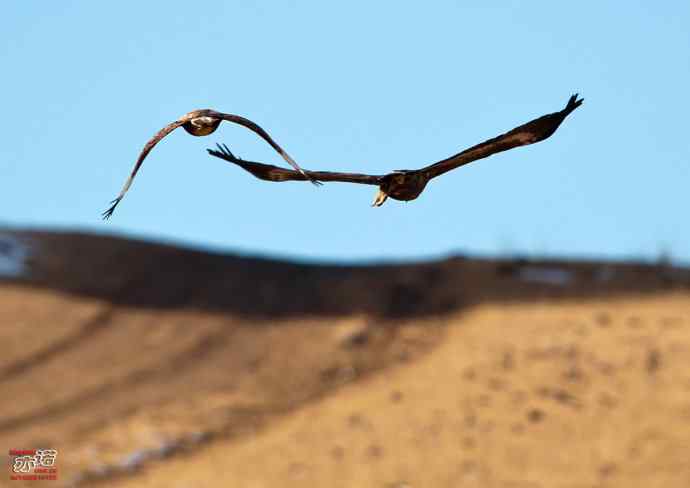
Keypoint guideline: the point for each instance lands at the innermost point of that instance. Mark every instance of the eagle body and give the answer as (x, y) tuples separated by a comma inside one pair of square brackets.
[(202, 124), (402, 185)]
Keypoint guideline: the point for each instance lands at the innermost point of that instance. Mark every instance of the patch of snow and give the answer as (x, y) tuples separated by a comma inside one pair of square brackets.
[(135, 459), (13, 255), (167, 448), (198, 436), (102, 470), (605, 274), (546, 276)]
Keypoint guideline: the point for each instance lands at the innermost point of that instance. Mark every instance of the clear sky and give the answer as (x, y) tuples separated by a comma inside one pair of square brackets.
[(357, 86)]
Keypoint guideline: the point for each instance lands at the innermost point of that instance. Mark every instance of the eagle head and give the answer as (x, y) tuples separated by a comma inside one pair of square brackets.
[(381, 197)]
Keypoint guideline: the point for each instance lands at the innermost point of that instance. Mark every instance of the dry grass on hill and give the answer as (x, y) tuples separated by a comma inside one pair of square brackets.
[(153, 366)]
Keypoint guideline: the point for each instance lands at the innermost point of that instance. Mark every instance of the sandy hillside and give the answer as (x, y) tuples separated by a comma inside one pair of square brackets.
[(150, 365)]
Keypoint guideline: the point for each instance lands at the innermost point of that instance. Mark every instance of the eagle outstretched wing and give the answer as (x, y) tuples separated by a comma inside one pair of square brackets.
[(408, 184), (237, 119), (529, 133), (214, 119), (144, 152), (268, 172)]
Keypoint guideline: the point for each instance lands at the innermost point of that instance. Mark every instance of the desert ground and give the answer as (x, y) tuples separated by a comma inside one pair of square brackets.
[(150, 365)]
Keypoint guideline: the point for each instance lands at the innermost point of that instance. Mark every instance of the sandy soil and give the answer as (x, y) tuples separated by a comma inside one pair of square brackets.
[(456, 373)]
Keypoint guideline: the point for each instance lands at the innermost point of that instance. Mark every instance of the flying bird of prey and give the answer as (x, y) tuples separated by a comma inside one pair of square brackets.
[(408, 184), (202, 123)]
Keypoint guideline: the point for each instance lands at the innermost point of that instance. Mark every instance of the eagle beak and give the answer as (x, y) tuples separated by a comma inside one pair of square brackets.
[(381, 197)]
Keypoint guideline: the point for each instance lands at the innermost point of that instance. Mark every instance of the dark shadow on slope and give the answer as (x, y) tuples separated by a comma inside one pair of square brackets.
[(142, 274)]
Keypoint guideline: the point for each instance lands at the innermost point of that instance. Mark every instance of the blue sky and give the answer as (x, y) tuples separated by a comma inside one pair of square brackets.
[(360, 86)]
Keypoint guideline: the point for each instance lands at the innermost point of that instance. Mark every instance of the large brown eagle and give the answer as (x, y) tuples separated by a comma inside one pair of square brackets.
[(408, 184), (202, 123)]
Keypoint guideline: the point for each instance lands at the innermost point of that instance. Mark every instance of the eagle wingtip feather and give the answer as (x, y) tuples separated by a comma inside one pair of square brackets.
[(573, 103), (109, 212)]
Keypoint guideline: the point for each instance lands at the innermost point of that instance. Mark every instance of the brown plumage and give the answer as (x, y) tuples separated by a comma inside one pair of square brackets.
[(201, 123), (408, 184)]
